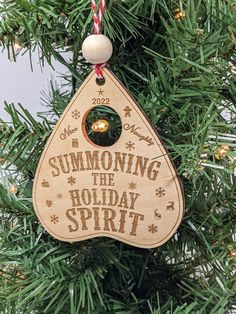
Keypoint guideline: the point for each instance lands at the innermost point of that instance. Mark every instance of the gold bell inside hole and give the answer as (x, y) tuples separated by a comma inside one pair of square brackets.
[(100, 126)]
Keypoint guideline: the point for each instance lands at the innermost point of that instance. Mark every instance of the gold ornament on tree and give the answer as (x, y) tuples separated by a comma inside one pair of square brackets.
[(221, 151), (179, 12), (179, 15), (13, 189)]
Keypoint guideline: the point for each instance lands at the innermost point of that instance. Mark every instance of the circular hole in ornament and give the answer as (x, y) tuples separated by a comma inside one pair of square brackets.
[(102, 126), (100, 81)]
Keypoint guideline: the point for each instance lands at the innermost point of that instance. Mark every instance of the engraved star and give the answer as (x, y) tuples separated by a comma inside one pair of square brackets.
[(71, 180), (54, 219), (100, 92), (152, 228), (132, 185), (130, 145), (160, 192)]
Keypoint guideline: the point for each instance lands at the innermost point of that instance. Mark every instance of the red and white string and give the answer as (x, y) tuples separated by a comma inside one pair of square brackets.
[(98, 15), (98, 69), (97, 19)]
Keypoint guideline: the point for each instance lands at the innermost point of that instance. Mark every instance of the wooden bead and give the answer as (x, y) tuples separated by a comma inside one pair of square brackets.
[(97, 49)]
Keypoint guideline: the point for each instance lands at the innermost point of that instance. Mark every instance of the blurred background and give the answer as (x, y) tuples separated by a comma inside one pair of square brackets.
[(19, 84)]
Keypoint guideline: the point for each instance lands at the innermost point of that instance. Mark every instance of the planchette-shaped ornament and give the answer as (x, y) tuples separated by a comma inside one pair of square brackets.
[(128, 191)]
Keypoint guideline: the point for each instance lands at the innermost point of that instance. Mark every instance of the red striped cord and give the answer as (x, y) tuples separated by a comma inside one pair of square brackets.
[(97, 19), (97, 16)]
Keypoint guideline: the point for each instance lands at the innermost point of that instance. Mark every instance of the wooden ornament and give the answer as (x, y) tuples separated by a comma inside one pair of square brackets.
[(97, 49), (128, 191)]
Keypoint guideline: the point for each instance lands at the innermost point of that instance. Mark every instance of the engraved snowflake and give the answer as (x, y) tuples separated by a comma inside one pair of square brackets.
[(71, 180), (152, 228), (54, 219), (160, 192), (75, 114), (130, 145), (132, 185)]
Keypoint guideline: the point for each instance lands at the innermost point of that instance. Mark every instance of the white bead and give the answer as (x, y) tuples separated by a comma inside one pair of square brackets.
[(97, 49)]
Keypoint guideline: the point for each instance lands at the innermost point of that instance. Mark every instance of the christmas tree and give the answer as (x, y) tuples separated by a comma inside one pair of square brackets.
[(178, 60)]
